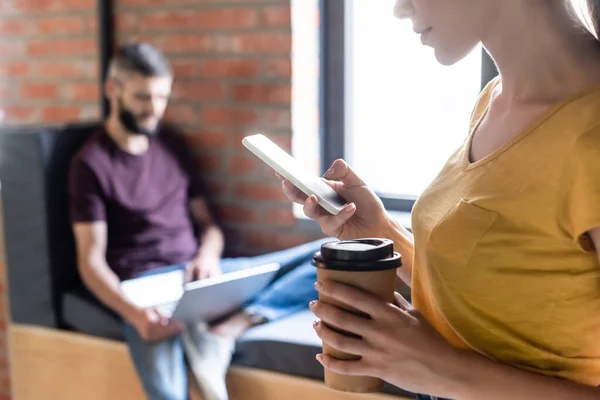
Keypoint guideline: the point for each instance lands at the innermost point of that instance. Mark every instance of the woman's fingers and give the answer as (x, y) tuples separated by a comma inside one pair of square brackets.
[(292, 192), (313, 210), (338, 318), (341, 171), (347, 344), (402, 302), (345, 367), (330, 224)]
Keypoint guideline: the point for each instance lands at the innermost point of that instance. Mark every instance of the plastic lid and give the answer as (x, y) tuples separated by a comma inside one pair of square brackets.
[(358, 255)]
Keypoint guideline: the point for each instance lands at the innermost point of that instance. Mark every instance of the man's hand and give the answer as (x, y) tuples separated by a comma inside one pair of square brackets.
[(152, 326), (203, 266)]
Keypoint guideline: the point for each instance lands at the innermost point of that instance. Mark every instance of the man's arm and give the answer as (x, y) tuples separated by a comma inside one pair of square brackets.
[(96, 274), (212, 239), (91, 239), (206, 263)]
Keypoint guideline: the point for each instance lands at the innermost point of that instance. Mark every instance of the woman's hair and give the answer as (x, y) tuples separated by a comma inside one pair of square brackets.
[(594, 12)]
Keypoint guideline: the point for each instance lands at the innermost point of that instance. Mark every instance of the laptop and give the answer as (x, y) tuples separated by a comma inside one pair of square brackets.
[(205, 300)]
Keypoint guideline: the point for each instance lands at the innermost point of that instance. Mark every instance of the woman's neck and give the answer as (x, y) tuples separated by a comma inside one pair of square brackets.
[(542, 52)]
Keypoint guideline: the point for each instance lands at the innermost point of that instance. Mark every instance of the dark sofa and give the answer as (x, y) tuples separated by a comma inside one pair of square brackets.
[(44, 286)]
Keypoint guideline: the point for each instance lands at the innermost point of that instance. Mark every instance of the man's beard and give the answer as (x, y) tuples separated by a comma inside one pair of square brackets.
[(130, 121)]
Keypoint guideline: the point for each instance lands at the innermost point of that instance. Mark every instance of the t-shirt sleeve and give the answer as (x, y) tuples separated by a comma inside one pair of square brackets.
[(583, 189), (85, 194)]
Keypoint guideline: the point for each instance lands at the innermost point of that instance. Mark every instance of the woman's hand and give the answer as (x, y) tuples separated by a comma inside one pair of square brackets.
[(398, 345), (364, 216)]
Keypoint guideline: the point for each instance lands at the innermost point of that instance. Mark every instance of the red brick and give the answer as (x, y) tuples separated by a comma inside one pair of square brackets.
[(216, 187), (207, 140), (199, 91), (260, 191), (278, 67), (184, 68), (209, 162), (182, 114), (275, 240), (237, 213), (263, 93), (281, 217), (243, 164), (60, 114), (90, 112), (229, 68), (227, 19), (277, 119), (65, 24), (147, 3), (16, 27), (187, 43), (201, 20), (83, 91), (18, 113), (166, 20), (262, 42), (10, 49), (15, 69), (126, 21), (277, 16), (62, 47), (228, 116), (54, 5), (283, 141), (67, 69), (38, 90)]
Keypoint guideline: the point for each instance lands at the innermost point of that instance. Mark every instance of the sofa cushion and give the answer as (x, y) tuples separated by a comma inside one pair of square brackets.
[(38, 241), (288, 346), (83, 313)]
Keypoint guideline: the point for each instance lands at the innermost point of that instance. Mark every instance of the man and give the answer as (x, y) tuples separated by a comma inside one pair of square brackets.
[(139, 207)]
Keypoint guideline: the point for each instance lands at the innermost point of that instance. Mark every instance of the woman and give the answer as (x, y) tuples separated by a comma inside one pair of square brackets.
[(503, 265)]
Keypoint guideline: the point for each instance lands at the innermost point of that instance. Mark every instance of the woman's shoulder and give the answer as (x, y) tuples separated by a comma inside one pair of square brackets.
[(483, 100), (581, 115)]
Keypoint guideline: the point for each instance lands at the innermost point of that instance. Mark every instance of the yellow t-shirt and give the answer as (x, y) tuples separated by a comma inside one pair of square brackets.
[(502, 263)]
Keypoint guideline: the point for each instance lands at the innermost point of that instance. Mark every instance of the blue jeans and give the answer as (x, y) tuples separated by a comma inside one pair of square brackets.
[(161, 366)]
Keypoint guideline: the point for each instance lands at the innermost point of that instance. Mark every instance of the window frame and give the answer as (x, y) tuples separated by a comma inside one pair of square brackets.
[(332, 87)]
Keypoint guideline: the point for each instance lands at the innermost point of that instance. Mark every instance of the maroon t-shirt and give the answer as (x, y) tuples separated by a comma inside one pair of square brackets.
[(144, 200)]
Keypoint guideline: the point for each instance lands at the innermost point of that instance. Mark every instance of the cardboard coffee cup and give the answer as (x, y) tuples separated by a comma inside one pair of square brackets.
[(370, 265)]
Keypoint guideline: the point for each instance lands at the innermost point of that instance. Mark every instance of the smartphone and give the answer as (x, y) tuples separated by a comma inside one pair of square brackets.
[(290, 169)]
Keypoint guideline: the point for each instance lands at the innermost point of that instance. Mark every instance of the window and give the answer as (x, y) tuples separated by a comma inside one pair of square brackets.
[(305, 84), (403, 109), (385, 103)]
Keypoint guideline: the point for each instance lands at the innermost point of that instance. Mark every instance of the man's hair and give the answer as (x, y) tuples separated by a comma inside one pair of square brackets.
[(141, 58)]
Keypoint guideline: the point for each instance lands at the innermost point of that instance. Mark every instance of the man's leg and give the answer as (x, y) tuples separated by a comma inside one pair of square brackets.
[(291, 291), (209, 353), (209, 356), (160, 366), (289, 294), (288, 259)]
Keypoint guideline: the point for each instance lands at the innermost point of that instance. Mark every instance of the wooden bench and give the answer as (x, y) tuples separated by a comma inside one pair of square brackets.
[(52, 364)]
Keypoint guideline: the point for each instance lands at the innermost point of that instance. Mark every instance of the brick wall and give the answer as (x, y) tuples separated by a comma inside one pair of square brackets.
[(233, 77), (48, 73), (232, 61), (48, 61)]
